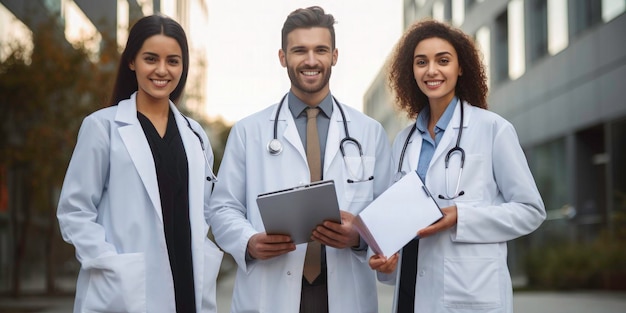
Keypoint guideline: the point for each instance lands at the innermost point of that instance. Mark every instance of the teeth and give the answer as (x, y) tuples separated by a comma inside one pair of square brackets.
[(437, 83), (160, 82), (308, 73)]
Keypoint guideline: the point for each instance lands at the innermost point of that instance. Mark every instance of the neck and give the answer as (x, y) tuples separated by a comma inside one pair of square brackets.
[(311, 99), (152, 107)]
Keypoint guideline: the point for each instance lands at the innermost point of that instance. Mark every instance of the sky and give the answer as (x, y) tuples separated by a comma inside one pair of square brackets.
[(245, 74)]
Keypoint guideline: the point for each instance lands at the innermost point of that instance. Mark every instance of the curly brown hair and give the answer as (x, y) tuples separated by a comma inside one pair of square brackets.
[(470, 87)]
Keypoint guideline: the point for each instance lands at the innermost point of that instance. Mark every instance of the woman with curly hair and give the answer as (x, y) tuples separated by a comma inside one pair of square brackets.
[(471, 161)]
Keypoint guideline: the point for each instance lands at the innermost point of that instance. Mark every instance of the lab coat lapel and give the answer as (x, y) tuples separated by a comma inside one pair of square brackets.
[(449, 137), (195, 157), (287, 126), (413, 152), (138, 148), (195, 161), (335, 135)]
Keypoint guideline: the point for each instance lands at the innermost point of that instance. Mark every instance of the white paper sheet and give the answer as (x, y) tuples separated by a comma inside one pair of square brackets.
[(394, 218)]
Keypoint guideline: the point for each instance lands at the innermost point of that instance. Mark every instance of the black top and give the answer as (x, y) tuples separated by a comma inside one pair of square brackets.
[(172, 172)]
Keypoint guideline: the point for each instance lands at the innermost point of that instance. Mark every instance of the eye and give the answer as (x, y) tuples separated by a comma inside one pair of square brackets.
[(150, 59), (444, 61), (174, 61), (420, 62)]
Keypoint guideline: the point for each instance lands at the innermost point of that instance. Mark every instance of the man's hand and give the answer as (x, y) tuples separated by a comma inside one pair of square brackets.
[(263, 246), (383, 264), (337, 235)]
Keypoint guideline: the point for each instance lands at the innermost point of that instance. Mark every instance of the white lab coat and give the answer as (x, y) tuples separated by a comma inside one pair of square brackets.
[(248, 169), (110, 210), (464, 269)]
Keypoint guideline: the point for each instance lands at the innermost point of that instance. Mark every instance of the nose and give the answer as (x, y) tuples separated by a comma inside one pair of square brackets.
[(161, 69), (310, 58), (432, 69)]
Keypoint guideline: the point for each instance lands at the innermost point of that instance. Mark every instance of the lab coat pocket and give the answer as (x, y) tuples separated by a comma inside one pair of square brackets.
[(117, 283), (359, 178), (471, 283), (212, 261)]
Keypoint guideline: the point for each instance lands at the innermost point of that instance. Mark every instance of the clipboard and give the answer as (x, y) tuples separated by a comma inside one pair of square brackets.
[(390, 221), (298, 210)]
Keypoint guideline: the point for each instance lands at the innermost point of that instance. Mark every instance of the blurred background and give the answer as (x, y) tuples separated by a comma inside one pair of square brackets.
[(557, 70)]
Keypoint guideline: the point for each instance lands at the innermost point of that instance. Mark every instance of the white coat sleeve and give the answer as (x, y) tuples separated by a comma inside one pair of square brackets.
[(228, 215), (522, 210), (85, 182), (383, 171)]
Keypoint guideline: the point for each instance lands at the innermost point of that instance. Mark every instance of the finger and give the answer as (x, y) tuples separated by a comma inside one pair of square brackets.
[(336, 227), (271, 239)]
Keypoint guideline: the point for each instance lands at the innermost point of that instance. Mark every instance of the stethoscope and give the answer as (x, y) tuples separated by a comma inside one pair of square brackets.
[(212, 178), (275, 147), (456, 149)]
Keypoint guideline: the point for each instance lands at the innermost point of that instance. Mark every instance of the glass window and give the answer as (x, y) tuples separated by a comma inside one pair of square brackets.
[(517, 43), (500, 70), (483, 40), (612, 9), (538, 29), (583, 14), (557, 26)]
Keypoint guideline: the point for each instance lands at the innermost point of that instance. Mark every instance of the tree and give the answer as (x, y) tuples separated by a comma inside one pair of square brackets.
[(44, 97)]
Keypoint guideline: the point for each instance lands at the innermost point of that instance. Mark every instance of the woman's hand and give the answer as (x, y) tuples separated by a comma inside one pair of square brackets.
[(384, 265), (448, 220)]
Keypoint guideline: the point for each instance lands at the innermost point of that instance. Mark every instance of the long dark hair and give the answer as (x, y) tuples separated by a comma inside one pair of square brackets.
[(146, 27), (470, 87)]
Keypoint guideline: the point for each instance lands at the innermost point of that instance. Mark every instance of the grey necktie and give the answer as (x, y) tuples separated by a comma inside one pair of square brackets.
[(312, 261)]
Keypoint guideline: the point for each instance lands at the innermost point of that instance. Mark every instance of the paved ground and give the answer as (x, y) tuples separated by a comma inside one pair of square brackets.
[(524, 302)]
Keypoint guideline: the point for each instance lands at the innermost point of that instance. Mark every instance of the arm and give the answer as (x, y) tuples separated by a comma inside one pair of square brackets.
[(228, 210), (522, 209), (83, 188)]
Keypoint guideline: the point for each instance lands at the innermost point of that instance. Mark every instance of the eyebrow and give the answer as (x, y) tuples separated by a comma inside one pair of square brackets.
[(316, 47), (436, 55), (156, 55)]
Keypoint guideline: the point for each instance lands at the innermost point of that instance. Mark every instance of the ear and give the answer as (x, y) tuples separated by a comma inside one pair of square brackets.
[(335, 57), (281, 57), (131, 65), (460, 71)]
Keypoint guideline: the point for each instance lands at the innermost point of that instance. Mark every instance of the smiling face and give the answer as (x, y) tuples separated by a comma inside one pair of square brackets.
[(436, 70), (158, 66), (309, 57)]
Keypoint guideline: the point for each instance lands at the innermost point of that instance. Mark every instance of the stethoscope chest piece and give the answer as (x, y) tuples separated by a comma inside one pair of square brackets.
[(274, 147), (398, 175)]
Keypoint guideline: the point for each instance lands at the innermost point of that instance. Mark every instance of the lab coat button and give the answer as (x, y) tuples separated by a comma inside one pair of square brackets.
[(288, 273), (422, 272)]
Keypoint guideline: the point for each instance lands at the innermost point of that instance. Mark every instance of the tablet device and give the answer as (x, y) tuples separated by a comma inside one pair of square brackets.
[(298, 210)]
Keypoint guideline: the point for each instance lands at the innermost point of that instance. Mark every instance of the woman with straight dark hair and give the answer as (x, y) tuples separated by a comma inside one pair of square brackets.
[(133, 198)]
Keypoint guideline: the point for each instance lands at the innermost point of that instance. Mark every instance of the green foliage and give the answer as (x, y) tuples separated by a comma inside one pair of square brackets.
[(44, 97), (599, 265)]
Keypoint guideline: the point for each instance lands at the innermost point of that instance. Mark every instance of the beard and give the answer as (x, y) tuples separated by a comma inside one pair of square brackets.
[(298, 83)]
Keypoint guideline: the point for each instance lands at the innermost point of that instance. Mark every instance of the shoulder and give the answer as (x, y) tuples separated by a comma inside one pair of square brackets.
[(363, 120), (101, 116), (488, 117), (403, 134), (259, 118)]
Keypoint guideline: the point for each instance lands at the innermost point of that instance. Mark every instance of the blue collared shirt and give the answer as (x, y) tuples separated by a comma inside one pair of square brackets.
[(428, 144)]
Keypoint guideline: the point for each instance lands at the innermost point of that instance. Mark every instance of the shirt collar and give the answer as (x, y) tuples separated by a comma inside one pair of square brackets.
[(422, 119), (297, 107)]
